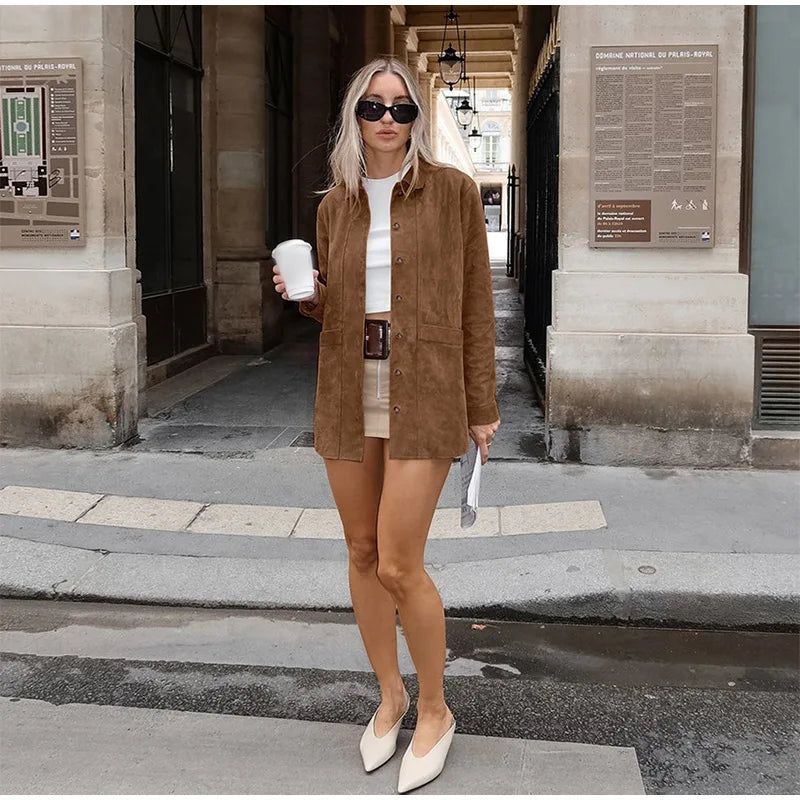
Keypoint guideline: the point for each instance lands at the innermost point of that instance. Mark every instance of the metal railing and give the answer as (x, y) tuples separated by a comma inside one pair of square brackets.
[(541, 216)]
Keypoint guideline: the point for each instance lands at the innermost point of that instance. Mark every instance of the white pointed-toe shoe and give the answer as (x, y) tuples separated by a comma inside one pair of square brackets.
[(417, 770), (377, 750)]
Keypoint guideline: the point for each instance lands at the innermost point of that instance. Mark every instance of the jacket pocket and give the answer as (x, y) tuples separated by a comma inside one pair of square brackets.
[(328, 336), (440, 333)]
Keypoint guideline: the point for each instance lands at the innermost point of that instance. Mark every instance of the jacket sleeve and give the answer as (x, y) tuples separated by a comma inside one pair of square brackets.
[(477, 312), (307, 308)]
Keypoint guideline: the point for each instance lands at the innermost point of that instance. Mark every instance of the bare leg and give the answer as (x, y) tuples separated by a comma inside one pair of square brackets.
[(411, 489), (356, 488)]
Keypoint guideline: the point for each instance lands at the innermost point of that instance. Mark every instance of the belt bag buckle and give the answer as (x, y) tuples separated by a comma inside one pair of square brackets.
[(376, 338)]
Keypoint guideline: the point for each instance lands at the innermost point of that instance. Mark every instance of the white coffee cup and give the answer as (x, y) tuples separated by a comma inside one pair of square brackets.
[(296, 265)]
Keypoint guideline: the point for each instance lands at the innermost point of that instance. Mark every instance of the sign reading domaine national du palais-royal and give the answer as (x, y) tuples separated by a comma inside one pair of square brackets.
[(41, 153), (653, 146)]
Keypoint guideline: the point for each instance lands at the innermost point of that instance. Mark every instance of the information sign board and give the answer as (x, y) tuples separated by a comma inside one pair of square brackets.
[(653, 146), (41, 153)]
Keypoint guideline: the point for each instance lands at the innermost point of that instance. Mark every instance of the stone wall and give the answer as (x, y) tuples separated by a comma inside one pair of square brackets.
[(649, 360), (69, 368)]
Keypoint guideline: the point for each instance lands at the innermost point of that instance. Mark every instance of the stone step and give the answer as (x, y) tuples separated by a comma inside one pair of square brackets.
[(775, 449), (91, 749), (260, 520)]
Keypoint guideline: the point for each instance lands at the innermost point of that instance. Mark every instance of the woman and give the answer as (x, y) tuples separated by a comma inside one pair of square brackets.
[(407, 346)]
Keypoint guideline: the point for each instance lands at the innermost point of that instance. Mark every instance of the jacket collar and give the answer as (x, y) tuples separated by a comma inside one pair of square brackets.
[(424, 171)]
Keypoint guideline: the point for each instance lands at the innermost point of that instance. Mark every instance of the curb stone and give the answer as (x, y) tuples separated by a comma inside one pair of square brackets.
[(703, 589)]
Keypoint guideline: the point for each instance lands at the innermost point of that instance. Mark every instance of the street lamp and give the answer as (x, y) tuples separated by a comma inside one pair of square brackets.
[(455, 97), (465, 111), (475, 136), (451, 64)]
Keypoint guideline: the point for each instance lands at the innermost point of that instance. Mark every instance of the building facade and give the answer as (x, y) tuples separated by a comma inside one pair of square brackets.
[(205, 133)]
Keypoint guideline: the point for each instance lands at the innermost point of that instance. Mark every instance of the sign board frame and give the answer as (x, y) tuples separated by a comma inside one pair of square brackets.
[(653, 151), (42, 197)]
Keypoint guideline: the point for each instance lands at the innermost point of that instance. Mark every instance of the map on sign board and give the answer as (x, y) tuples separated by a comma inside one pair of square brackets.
[(653, 146), (41, 153)]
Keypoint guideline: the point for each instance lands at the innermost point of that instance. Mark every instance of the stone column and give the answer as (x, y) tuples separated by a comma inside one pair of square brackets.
[(434, 96), (246, 314), (648, 357), (68, 336), (417, 63), (426, 85), (403, 38)]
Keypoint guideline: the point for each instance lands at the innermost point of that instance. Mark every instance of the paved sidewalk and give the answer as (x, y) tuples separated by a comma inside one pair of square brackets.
[(222, 501), (704, 547), (163, 751)]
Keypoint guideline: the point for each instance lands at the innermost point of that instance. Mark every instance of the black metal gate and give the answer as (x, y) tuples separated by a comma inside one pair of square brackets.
[(169, 221), (512, 185), (541, 225)]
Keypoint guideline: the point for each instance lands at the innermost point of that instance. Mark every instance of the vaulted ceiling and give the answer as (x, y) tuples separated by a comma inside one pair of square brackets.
[(492, 34)]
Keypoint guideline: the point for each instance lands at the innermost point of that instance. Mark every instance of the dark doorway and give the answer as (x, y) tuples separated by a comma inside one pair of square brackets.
[(168, 72), (278, 156)]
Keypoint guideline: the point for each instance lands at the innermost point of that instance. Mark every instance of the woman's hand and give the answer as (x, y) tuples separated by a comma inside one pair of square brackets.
[(280, 285), (482, 435)]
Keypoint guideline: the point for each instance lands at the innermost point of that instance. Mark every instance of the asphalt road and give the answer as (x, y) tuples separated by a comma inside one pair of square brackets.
[(707, 712)]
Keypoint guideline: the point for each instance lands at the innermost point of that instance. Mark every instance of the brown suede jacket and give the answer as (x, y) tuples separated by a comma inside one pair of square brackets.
[(442, 337)]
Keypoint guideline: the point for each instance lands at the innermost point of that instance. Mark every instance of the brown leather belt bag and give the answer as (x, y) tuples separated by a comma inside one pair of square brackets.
[(376, 338)]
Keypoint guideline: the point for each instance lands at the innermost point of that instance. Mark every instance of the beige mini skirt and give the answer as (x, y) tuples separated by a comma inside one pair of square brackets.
[(376, 397)]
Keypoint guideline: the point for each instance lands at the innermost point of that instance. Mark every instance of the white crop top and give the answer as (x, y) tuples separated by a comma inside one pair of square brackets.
[(379, 242)]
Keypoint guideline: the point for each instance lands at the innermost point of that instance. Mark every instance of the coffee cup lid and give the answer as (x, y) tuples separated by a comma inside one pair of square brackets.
[(291, 242)]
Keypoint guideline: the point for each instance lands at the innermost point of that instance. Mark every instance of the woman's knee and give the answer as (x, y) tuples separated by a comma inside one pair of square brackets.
[(397, 577), (363, 554)]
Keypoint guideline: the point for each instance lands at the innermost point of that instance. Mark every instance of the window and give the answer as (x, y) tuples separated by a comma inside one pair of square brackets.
[(168, 72), (491, 143)]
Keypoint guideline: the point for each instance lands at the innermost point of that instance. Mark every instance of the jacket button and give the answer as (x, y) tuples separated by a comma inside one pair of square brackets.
[(398, 297), (399, 335), (397, 372), (396, 225), (396, 409), (399, 260)]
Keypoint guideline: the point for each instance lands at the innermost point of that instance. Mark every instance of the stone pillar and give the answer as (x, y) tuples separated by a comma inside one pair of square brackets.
[(403, 38), (377, 31), (417, 63), (433, 99), (68, 336), (246, 313), (426, 85), (648, 356)]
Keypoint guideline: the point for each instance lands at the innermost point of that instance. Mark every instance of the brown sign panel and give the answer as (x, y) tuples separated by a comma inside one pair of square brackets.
[(41, 153), (622, 221), (653, 146)]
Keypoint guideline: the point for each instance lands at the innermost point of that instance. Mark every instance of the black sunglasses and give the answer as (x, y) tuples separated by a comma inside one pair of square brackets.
[(372, 111)]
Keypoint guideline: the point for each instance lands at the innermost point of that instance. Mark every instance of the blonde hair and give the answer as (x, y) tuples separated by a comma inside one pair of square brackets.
[(347, 163)]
